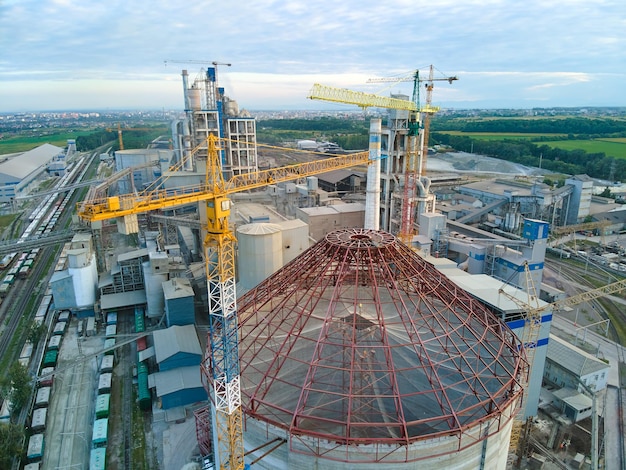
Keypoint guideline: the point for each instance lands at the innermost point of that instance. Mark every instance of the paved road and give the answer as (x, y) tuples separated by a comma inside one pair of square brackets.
[(71, 411)]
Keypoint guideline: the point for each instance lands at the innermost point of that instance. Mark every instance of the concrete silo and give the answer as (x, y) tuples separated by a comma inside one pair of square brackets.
[(260, 252), (359, 352)]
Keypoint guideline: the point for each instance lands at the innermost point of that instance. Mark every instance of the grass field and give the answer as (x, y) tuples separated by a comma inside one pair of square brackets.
[(611, 147), (25, 143)]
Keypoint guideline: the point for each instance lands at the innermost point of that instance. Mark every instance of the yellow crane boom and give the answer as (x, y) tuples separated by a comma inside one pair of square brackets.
[(127, 204), (532, 324), (220, 366)]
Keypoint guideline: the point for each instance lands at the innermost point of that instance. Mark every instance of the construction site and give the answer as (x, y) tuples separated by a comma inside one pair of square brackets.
[(226, 304)]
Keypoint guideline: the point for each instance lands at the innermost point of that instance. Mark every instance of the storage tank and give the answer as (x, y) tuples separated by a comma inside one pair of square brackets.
[(260, 252), (359, 353), (84, 273), (154, 291), (195, 99)]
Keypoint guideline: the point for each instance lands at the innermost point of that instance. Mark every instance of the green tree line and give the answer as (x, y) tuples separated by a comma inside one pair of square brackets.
[(349, 134), (568, 126), (133, 139)]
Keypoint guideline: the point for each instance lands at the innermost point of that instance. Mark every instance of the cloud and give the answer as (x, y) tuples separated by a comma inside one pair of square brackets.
[(490, 44)]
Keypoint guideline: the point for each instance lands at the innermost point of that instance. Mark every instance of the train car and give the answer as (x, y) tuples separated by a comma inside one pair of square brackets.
[(6, 260), (102, 405), (4, 289), (27, 350), (32, 466), (9, 279), (112, 318), (140, 325), (59, 328), (35, 448), (64, 315), (97, 459), (143, 391), (5, 411), (111, 331), (50, 358), (14, 271), (109, 343), (54, 343), (142, 343), (100, 435), (38, 421), (107, 364), (23, 272), (47, 376), (104, 383), (42, 399)]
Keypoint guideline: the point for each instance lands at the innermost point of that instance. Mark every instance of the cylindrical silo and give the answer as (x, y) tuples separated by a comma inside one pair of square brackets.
[(260, 252), (195, 99), (154, 291), (84, 273)]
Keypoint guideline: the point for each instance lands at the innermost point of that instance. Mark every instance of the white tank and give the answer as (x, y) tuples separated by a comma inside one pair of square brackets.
[(260, 252), (154, 291), (85, 281)]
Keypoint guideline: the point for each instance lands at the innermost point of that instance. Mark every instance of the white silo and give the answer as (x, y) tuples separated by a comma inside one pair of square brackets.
[(260, 252), (154, 275), (82, 268)]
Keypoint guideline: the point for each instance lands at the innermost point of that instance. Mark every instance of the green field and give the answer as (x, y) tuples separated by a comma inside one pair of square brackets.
[(20, 143), (610, 147)]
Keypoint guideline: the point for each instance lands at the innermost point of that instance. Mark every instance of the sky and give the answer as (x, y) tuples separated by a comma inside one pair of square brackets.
[(129, 54)]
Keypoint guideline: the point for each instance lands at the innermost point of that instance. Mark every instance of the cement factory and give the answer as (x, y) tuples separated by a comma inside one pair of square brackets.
[(342, 312)]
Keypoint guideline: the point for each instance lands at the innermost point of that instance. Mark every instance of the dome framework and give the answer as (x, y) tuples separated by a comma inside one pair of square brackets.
[(360, 341)]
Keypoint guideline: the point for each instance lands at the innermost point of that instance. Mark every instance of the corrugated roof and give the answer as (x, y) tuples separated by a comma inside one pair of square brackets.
[(171, 341), (174, 380), (24, 164), (122, 299), (572, 358)]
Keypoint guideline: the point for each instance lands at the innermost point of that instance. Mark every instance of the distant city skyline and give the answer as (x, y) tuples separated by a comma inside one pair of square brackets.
[(65, 54)]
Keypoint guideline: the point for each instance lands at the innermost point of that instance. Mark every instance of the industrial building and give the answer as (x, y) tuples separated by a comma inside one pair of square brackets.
[(19, 172), (340, 343)]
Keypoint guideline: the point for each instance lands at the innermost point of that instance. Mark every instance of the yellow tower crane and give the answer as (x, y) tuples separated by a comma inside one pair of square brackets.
[(220, 366), (531, 312), (428, 109)]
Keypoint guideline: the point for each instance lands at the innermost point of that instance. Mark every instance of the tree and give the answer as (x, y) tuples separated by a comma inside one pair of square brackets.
[(11, 443), (36, 332), (21, 381)]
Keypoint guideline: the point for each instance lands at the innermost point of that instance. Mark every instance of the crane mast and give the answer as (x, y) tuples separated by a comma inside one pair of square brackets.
[(531, 312), (220, 365)]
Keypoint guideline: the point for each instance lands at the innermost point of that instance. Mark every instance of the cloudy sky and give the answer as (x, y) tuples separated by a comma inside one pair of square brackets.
[(85, 54)]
